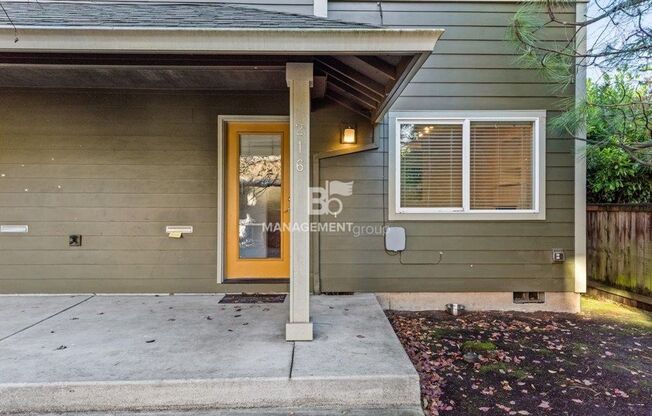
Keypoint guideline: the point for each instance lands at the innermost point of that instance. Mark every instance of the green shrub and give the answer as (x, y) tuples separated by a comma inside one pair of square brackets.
[(613, 177), (613, 174)]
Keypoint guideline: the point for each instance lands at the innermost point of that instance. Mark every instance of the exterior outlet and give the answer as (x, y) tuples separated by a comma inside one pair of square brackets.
[(558, 255), (74, 240)]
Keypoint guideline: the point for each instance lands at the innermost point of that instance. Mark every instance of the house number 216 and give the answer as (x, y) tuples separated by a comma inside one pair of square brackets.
[(299, 163)]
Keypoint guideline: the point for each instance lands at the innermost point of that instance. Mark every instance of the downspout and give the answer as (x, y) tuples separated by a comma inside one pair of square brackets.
[(320, 8), (580, 155)]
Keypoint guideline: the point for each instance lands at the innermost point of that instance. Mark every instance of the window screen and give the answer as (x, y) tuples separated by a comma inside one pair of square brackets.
[(501, 165), (431, 165)]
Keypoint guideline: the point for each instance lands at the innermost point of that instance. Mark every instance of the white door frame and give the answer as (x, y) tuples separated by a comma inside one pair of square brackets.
[(222, 120)]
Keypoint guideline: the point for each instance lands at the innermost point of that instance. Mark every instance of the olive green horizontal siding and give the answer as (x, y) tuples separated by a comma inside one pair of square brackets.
[(94, 186), (348, 173), (446, 284), (429, 89), (442, 243), (107, 257), (89, 170), (177, 284), (473, 67), (108, 142), (458, 271), (376, 201), (19, 214), (476, 61), (52, 228), (439, 19), (405, 6), (287, 6), (105, 242), (108, 200), (451, 257), (480, 76), (115, 167), (478, 103), (118, 166), (123, 157)]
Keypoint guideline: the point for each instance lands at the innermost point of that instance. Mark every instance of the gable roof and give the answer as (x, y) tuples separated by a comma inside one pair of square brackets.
[(159, 15)]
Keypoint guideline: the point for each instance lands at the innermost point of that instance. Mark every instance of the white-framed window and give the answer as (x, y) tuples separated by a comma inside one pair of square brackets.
[(467, 165)]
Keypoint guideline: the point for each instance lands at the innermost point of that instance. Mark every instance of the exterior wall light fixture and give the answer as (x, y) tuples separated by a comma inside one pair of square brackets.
[(348, 134)]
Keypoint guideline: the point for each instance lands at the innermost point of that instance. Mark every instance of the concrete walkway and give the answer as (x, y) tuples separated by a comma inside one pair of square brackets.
[(108, 353)]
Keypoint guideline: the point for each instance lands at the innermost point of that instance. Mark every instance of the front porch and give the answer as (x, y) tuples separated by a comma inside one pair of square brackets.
[(228, 56), (106, 353)]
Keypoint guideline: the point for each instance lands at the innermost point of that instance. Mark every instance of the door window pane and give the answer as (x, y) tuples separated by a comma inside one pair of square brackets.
[(260, 196)]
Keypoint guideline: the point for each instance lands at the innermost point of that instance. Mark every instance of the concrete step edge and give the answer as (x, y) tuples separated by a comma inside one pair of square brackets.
[(352, 392)]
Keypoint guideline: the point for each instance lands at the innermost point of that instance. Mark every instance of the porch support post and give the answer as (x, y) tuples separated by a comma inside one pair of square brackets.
[(299, 80)]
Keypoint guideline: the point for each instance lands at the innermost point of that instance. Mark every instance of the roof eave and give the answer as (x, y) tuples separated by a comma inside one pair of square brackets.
[(401, 83), (223, 41)]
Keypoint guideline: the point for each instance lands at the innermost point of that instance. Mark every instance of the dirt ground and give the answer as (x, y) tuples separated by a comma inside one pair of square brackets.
[(595, 363)]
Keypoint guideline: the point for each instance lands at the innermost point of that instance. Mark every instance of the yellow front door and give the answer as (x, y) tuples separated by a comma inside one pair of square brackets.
[(257, 201)]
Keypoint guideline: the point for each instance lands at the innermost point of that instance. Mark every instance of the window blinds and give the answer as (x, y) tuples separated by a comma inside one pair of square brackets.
[(501, 165), (431, 165)]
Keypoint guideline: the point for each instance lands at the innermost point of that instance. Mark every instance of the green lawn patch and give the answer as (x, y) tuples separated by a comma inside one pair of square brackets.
[(612, 311), (502, 368), (478, 346)]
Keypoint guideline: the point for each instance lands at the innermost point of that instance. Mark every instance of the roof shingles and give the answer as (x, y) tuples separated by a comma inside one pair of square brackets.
[(160, 15)]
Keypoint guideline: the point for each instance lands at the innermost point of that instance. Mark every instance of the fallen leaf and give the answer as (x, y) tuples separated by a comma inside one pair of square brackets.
[(621, 393), (544, 405)]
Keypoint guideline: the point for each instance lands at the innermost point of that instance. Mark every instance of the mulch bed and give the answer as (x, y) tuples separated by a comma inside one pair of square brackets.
[(527, 363)]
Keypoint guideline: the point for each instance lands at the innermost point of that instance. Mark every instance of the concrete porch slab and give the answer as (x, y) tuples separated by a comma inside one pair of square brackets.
[(112, 353), (17, 312)]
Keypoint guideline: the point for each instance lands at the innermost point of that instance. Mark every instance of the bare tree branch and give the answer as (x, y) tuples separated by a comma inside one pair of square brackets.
[(623, 43), (11, 21)]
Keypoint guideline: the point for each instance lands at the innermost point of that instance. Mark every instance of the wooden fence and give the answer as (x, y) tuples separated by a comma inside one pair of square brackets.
[(619, 246)]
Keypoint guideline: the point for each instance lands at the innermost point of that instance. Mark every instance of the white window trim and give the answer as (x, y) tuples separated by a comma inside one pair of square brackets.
[(464, 212)]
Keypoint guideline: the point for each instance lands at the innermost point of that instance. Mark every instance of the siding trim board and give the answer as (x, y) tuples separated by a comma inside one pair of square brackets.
[(248, 41), (320, 8), (580, 162)]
